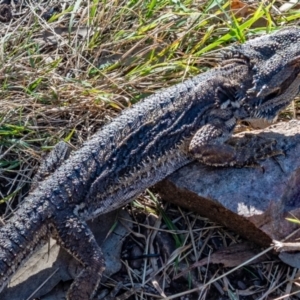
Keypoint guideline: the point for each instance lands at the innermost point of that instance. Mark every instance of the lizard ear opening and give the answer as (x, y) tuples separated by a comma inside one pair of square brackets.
[(276, 92), (285, 85)]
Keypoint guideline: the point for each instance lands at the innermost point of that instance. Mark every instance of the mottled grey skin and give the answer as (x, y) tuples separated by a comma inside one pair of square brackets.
[(147, 142)]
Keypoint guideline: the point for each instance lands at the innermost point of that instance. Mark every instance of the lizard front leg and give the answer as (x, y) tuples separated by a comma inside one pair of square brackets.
[(209, 146)]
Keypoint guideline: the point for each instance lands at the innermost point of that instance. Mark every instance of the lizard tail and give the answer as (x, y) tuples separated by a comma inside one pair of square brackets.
[(18, 239)]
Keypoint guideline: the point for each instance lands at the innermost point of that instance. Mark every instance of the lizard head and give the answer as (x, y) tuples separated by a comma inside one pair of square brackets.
[(275, 62), (270, 100)]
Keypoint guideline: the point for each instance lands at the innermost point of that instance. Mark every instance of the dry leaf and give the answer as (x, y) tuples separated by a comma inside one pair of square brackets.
[(240, 9)]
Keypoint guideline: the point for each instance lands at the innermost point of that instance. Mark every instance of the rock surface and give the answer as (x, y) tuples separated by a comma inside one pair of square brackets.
[(252, 201)]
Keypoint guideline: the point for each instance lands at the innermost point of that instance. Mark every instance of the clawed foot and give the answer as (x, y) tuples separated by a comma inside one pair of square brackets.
[(256, 148)]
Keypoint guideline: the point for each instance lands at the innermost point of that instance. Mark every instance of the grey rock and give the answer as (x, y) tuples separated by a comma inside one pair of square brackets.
[(252, 201)]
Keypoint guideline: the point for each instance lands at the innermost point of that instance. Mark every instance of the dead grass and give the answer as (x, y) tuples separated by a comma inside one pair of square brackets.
[(197, 259), (63, 78)]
